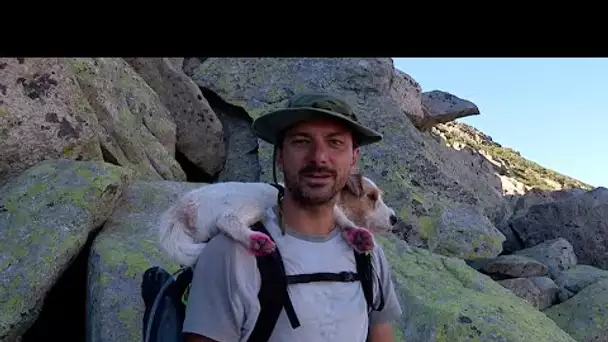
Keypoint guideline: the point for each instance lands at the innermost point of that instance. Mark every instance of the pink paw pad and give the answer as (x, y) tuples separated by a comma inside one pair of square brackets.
[(360, 239), (260, 244)]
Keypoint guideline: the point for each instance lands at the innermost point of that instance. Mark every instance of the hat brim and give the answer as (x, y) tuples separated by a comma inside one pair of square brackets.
[(268, 126)]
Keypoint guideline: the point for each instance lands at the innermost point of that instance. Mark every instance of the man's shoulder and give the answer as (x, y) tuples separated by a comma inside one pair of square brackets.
[(378, 250), (379, 257)]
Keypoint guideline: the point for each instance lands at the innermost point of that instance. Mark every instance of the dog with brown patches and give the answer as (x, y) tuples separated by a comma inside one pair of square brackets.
[(232, 207)]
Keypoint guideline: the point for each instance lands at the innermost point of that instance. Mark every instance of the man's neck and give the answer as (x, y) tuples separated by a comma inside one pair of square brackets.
[(308, 220)]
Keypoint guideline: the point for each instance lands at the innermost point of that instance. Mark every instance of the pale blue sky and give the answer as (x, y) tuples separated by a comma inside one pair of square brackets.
[(554, 111)]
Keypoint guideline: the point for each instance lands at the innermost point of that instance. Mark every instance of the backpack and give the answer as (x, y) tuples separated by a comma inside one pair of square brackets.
[(164, 317)]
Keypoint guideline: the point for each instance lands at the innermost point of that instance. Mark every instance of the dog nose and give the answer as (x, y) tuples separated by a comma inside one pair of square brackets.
[(393, 219)]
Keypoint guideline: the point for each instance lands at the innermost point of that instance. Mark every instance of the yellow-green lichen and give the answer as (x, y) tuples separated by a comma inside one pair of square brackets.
[(584, 316), (128, 316), (124, 251), (428, 229), (445, 300)]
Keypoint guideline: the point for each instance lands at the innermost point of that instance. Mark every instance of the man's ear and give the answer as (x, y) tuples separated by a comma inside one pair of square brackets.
[(354, 184)]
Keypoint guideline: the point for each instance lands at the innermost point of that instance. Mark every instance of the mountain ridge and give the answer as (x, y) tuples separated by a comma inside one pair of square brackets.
[(518, 173)]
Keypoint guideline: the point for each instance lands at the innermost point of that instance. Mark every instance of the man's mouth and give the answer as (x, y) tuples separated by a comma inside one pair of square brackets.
[(317, 175), (317, 178)]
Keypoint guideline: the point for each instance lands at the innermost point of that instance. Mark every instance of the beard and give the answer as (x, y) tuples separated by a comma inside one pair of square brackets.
[(314, 185)]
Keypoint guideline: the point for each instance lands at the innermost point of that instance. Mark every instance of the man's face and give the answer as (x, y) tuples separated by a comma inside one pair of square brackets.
[(316, 158)]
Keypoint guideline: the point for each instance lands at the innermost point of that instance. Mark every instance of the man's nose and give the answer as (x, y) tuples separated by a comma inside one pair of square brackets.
[(318, 153)]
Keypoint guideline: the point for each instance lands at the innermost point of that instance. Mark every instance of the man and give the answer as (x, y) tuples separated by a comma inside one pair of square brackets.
[(317, 145)]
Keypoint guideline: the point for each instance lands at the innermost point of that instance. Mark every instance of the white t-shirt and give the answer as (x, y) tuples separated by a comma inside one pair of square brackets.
[(223, 303)]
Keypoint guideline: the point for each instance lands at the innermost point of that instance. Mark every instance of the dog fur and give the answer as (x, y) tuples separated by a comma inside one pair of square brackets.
[(232, 207)]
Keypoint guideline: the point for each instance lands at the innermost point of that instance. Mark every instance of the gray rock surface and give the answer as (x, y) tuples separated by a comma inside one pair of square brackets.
[(460, 231), (558, 254), (516, 266), (445, 300), (523, 288), (121, 253), (46, 216), (199, 132), (442, 107), (548, 291), (576, 278), (584, 316), (581, 219), (43, 115), (136, 129)]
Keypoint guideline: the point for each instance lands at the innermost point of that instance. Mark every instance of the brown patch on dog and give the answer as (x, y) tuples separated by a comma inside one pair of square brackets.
[(358, 198), (186, 214), (354, 184)]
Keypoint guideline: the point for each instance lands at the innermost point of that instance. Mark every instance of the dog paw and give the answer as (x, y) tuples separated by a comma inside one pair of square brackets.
[(260, 244), (360, 239)]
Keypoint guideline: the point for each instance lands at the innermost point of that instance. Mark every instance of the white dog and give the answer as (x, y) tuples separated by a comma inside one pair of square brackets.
[(232, 207)]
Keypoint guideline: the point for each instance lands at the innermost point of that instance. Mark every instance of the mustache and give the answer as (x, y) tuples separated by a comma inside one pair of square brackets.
[(316, 169)]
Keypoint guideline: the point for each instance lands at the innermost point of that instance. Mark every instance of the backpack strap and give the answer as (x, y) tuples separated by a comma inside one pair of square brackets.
[(273, 295), (366, 271), (345, 277)]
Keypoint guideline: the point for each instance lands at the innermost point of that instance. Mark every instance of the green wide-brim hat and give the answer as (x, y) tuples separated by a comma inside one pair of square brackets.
[(309, 106)]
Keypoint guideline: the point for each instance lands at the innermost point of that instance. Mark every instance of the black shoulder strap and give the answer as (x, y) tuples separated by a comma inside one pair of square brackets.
[(273, 295), (366, 272)]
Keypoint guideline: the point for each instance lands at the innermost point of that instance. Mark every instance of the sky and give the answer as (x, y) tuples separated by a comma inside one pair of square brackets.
[(554, 111)]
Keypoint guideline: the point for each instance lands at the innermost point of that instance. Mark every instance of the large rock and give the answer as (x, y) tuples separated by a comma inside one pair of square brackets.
[(576, 278), (581, 219), (46, 216), (524, 288), (557, 254), (406, 92), (459, 231), (548, 291), (445, 300), (43, 115), (442, 107), (199, 131), (121, 253), (518, 206), (136, 129), (514, 266), (242, 162), (419, 172), (584, 316)]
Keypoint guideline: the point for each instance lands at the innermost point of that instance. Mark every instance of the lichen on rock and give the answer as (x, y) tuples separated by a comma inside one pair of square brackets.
[(43, 113), (46, 216), (584, 316), (136, 129), (443, 300), (121, 253)]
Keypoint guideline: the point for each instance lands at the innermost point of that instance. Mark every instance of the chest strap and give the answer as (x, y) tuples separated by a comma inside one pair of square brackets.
[(344, 277)]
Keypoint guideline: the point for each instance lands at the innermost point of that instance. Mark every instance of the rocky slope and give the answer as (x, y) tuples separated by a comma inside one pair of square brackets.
[(518, 174), (93, 149)]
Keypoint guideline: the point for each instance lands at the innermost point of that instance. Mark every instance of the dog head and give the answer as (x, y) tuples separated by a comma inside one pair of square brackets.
[(361, 201)]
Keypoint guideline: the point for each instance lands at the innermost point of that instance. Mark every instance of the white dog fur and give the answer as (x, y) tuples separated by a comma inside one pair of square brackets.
[(232, 207)]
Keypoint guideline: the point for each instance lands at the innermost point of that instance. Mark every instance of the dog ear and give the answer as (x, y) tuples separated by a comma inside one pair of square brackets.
[(354, 184)]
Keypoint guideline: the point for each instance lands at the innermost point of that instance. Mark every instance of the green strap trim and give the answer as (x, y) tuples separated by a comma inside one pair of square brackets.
[(185, 295)]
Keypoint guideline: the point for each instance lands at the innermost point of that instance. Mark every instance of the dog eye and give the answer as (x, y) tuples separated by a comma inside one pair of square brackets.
[(372, 196)]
